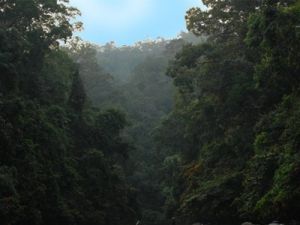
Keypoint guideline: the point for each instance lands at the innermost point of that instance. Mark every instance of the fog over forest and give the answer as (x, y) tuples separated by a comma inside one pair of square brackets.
[(201, 129)]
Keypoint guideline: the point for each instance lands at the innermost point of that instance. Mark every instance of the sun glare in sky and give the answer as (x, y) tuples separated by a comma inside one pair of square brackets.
[(129, 21)]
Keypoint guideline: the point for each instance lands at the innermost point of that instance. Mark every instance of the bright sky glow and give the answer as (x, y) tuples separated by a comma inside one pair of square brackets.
[(129, 21)]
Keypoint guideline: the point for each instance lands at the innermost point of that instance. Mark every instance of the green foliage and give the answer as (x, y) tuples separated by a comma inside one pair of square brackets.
[(222, 20), (60, 158), (236, 128), (276, 73), (270, 181)]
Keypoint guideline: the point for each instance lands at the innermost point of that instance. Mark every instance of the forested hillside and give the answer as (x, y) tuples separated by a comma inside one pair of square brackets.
[(133, 80), (236, 118), (60, 157), (202, 128)]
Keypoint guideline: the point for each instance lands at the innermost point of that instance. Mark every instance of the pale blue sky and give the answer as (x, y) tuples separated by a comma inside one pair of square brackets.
[(129, 21)]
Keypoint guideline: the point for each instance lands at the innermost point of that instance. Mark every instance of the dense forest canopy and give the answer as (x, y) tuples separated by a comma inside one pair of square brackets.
[(202, 128)]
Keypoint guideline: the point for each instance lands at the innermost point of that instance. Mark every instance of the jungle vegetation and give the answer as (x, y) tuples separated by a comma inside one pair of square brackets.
[(201, 128)]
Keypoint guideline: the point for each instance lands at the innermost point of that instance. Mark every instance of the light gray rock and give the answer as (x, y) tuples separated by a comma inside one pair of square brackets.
[(247, 223), (197, 223), (275, 223)]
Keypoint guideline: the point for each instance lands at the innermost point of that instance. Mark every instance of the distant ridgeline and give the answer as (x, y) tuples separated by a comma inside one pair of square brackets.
[(120, 62)]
